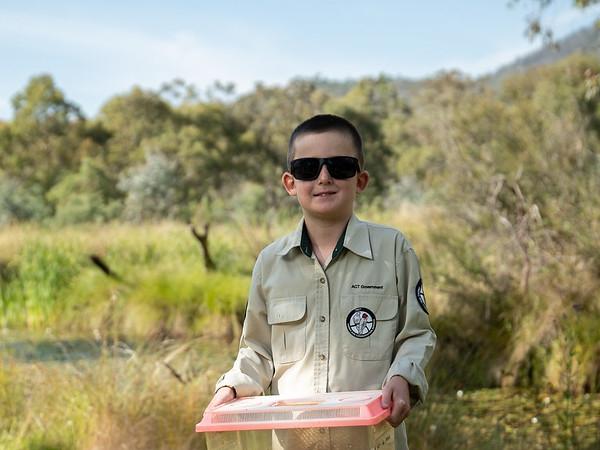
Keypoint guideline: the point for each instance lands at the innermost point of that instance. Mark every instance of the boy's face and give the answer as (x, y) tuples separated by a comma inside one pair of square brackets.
[(325, 197)]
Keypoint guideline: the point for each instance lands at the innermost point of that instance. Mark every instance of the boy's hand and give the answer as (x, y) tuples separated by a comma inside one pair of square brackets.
[(223, 395), (396, 395)]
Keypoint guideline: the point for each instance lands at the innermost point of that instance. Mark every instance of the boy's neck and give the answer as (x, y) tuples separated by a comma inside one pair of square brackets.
[(324, 235)]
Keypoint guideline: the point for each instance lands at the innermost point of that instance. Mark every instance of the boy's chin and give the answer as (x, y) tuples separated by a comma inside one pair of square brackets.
[(328, 214)]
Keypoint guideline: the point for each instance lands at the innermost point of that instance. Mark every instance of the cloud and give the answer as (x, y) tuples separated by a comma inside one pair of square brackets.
[(491, 62), (568, 20), (132, 56), (561, 22)]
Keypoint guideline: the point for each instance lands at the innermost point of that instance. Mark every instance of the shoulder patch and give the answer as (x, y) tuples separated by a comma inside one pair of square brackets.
[(420, 294)]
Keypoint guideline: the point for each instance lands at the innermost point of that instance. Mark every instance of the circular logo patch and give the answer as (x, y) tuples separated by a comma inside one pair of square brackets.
[(361, 322)]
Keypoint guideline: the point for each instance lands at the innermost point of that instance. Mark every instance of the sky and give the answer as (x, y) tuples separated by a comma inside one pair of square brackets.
[(95, 50)]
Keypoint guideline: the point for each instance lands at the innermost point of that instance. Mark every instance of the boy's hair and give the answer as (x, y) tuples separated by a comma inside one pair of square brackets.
[(322, 123)]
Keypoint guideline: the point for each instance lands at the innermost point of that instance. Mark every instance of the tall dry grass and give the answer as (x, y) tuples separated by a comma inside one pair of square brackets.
[(126, 398)]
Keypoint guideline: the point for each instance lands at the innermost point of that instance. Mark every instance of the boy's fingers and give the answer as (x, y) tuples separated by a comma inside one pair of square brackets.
[(223, 395), (400, 411), (403, 410), (386, 398)]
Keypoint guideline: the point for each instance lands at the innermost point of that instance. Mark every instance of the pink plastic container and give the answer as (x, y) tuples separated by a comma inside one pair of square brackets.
[(334, 409)]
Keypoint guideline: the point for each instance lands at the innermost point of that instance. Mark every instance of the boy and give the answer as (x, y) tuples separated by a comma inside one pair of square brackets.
[(337, 305)]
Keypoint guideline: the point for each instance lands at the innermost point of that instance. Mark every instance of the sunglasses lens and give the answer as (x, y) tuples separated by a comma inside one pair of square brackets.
[(305, 168), (342, 167), (339, 167)]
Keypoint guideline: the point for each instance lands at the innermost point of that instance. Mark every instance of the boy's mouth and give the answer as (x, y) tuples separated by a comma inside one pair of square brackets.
[(324, 194)]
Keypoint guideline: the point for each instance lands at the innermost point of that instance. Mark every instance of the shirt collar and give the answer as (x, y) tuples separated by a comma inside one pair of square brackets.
[(292, 240), (355, 238)]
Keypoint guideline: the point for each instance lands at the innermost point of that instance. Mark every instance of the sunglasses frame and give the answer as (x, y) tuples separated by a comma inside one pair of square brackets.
[(329, 162)]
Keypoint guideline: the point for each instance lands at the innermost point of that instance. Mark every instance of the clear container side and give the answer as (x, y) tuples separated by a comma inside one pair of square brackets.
[(375, 437), (239, 440)]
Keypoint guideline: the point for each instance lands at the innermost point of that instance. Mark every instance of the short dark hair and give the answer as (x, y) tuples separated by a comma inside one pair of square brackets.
[(327, 122)]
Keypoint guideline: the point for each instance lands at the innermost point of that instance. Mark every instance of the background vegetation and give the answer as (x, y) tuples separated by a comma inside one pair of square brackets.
[(108, 308)]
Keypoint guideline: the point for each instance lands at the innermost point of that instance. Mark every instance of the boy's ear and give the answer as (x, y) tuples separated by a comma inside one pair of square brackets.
[(289, 183), (362, 181)]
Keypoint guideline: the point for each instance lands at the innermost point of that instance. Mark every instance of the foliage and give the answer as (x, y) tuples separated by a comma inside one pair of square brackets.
[(153, 190), (88, 195), (47, 136), (19, 203), (130, 119)]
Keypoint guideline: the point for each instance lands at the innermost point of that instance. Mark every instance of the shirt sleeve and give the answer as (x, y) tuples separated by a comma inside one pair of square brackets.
[(252, 370), (415, 339)]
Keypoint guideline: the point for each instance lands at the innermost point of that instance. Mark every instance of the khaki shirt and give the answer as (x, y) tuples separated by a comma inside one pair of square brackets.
[(348, 326)]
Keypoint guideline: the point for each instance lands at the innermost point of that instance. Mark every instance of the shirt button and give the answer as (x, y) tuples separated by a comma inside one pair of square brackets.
[(322, 430), (322, 357), (322, 318), (322, 280)]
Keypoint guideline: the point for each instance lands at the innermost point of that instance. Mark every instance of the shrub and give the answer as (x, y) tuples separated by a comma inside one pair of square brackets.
[(153, 190), (21, 203)]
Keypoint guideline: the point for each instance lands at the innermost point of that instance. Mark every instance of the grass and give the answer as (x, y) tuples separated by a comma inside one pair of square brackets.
[(150, 396), (136, 398), (505, 419), (161, 286), (130, 361)]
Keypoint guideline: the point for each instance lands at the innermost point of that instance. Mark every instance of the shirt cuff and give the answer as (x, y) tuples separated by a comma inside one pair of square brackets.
[(242, 384), (415, 377)]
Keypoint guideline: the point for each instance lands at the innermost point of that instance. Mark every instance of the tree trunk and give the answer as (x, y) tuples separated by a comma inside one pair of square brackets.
[(203, 239)]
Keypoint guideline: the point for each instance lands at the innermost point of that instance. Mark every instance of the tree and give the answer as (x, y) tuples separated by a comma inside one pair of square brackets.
[(88, 195), (131, 119), (43, 141), (516, 174)]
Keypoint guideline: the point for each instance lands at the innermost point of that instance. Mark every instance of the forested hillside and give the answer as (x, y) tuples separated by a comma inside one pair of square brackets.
[(584, 41)]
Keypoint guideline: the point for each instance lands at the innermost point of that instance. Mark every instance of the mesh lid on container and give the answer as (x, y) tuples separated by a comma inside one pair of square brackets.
[(333, 409)]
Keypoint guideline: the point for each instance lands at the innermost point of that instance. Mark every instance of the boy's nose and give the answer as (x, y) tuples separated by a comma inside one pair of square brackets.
[(324, 176)]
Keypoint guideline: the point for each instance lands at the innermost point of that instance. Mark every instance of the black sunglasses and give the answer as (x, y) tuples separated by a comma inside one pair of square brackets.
[(339, 167)]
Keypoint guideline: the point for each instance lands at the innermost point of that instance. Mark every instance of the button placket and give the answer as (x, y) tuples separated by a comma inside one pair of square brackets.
[(321, 333)]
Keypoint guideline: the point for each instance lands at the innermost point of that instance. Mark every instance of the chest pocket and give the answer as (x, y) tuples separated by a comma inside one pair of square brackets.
[(287, 317), (377, 345)]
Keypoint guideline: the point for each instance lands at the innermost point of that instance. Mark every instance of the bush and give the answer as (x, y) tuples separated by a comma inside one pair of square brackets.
[(88, 195), (20, 203), (154, 190)]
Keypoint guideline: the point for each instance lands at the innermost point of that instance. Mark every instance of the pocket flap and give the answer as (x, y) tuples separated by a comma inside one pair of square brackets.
[(288, 309), (384, 307)]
